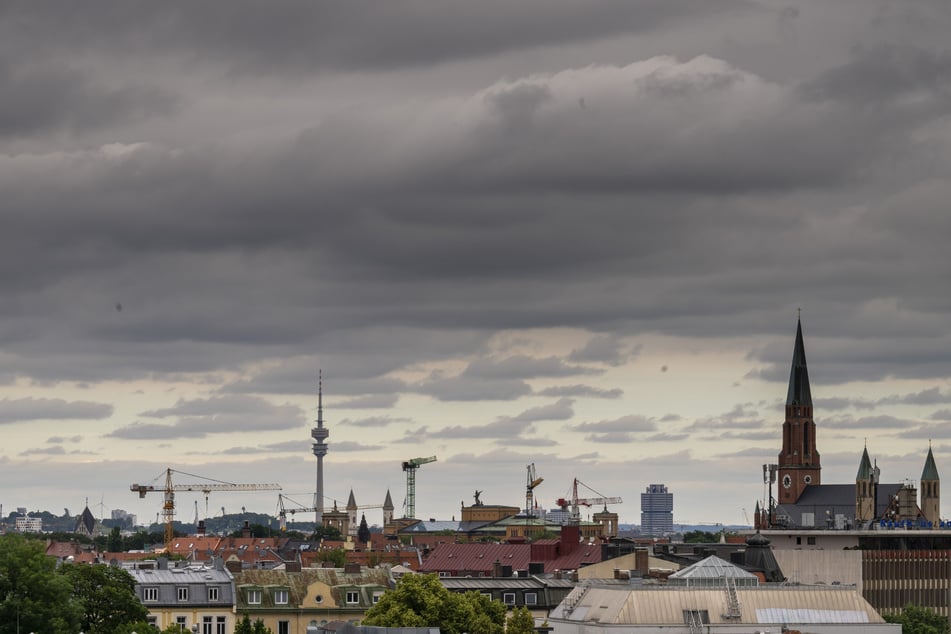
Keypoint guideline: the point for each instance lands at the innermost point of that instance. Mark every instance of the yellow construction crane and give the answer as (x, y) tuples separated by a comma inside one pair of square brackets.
[(168, 507)]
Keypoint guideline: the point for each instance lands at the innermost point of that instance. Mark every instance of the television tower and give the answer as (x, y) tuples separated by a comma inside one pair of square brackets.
[(319, 434)]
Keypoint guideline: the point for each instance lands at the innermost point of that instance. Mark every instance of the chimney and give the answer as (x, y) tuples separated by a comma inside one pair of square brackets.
[(497, 569), (570, 536), (246, 529), (201, 528)]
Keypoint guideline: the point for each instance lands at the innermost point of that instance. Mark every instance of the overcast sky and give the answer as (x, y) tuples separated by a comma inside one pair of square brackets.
[(573, 233)]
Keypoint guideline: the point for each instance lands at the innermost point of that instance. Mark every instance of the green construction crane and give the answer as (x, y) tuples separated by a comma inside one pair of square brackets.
[(410, 467)]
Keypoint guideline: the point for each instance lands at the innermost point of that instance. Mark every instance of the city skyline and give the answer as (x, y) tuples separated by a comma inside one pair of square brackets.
[(570, 234)]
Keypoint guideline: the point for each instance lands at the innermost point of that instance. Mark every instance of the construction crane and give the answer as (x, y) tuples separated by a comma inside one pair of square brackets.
[(168, 507), (410, 467), (575, 501), (283, 510), (531, 481)]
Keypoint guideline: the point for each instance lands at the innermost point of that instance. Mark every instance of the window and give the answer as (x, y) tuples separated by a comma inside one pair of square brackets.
[(376, 597), (182, 592), (206, 623), (283, 627), (150, 593), (508, 598), (213, 593), (181, 622), (280, 597), (353, 597), (151, 620), (811, 541), (531, 598), (487, 595), (254, 597), (220, 625)]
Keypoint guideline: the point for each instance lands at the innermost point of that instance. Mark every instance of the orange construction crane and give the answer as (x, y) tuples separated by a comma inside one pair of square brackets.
[(168, 507)]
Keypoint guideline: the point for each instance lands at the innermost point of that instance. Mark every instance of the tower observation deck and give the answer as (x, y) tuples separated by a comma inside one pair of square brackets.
[(320, 435)]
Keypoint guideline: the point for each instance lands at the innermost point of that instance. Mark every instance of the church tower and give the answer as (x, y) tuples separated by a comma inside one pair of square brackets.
[(352, 508), (798, 462), (388, 509), (866, 481), (930, 491)]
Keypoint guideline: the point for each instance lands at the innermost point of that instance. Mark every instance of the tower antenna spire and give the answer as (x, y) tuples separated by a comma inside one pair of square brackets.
[(319, 434)]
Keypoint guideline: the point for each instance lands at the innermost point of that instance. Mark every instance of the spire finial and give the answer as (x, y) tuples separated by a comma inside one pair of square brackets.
[(799, 313)]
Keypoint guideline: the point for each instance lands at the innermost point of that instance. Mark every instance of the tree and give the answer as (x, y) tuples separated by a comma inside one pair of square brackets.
[(114, 543), (331, 533), (33, 597), (337, 557), (245, 626), (363, 533), (421, 601), (107, 596), (915, 619), (520, 621)]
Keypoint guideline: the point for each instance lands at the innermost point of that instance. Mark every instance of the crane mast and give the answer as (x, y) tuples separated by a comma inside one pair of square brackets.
[(168, 504), (410, 467), (574, 502), (531, 481)]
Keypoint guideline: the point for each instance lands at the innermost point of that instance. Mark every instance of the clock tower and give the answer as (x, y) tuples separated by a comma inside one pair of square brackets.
[(799, 464)]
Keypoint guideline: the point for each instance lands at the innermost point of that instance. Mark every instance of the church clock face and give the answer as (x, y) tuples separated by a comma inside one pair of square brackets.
[(807, 479), (787, 481)]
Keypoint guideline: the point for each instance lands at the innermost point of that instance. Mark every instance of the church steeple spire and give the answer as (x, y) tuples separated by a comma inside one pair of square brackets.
[(799, 393), (799, 463)]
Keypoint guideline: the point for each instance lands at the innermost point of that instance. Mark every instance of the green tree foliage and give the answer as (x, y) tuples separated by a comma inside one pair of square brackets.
[(107, 596), (33, 597), (331, 533), (245, 626), (363, 533), (421, 601), (915, 619), (142, 627), (337, 557), (114, 543), (520, 621), (257, 530), (701, 537)]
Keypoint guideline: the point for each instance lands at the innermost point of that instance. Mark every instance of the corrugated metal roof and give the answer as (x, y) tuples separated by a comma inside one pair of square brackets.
[(507, 583), (666, 605), (712, 568)]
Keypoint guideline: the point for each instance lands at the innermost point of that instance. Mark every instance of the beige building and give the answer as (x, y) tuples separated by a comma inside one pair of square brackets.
[(288, 602)]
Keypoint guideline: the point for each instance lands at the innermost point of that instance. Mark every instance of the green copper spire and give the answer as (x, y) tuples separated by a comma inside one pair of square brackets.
[(799, 393), (865, 467), (930, 471)]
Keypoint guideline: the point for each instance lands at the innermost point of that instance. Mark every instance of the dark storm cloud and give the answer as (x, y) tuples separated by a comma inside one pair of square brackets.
[(199, 418), (524, 367), (374, 421), (461, 388), (372, 401), (325, 35), (378, 235), (742, 416), (887, 74), (578, 391), (625, 424), (884, 422), (609, 349), (28, 409), (52, 96), (509, 427), (499, 431)]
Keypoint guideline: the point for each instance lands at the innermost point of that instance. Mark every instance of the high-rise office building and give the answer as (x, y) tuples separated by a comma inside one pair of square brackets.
[(657, 510)]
